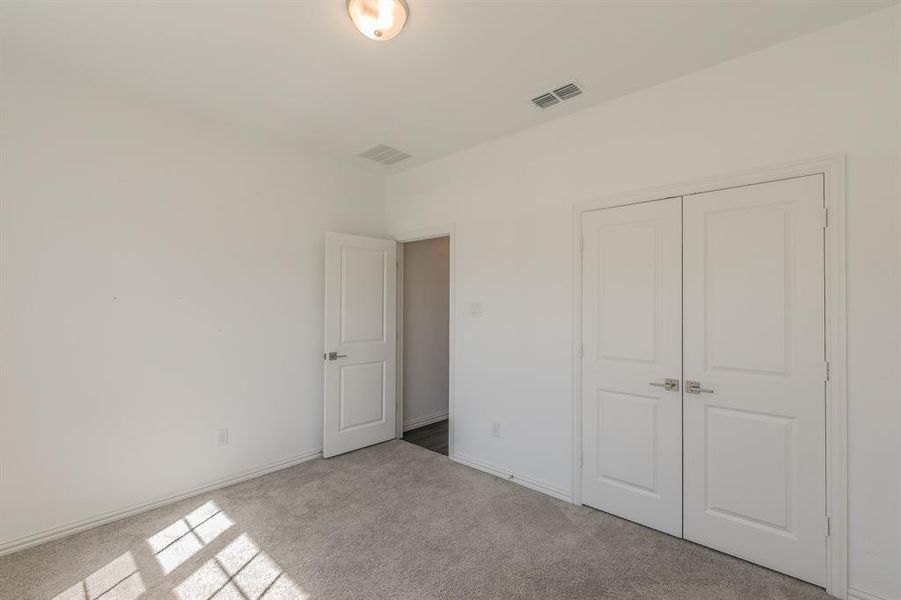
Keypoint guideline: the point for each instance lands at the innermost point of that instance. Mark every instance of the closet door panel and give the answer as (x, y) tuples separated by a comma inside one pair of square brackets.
[(632, 425), (754, 342)]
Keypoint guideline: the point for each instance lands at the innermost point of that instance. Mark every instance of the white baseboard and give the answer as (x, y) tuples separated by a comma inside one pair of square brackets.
[(423, 421), (41, 537), (854, 594), (532, 484)]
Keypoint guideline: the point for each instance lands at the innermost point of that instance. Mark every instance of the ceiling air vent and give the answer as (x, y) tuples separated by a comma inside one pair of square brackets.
[(545, 100), (565, 92), (384, 154), (558, 95)]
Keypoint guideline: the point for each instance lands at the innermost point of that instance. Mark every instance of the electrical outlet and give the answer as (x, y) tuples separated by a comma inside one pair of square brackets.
[(222, 436), (495, 429)]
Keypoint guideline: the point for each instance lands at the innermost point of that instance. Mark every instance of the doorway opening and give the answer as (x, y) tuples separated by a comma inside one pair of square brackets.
[(424, 342)]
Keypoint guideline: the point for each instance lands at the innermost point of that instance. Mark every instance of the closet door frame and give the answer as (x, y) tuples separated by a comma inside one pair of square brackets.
[(833, 170)]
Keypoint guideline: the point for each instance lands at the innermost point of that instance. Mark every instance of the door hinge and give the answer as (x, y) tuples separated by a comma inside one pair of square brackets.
[(828, 371), (825, 218), (582, 459), (581, 350), (828, 526), (581, 243)]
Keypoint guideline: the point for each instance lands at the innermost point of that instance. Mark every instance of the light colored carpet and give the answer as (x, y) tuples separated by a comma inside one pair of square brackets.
[(390, 521)]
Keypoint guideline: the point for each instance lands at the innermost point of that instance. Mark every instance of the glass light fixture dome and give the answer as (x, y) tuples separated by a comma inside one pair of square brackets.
[(378, 20)]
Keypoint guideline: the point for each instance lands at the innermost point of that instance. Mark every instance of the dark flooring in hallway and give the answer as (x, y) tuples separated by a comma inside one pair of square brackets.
[(431, 437)]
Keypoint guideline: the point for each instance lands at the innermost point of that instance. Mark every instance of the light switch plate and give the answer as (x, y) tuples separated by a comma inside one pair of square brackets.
[(475, 309)]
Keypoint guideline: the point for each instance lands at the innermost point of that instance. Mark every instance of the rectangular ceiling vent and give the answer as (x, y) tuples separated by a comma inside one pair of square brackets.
[(384, 154), (545, 100), (557, 95), (570, 90)]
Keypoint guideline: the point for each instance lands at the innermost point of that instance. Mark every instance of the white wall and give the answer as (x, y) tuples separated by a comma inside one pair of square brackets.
[(426, 312), (161, 278), (835, 91)]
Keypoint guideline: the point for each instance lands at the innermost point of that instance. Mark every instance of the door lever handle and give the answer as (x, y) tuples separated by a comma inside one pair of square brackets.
[(694, 387), (333, 356), (670, 384)]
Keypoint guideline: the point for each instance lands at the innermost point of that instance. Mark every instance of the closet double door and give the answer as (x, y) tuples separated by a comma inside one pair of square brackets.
[(703, 370)]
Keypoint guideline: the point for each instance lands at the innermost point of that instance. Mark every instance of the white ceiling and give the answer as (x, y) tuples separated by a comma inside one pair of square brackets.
[(461, 73)]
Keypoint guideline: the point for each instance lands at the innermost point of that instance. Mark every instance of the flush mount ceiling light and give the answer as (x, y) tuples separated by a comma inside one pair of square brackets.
[(378, 20)]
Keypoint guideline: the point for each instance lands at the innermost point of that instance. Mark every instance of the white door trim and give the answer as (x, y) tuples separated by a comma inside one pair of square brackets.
[(449, 232), (833, 170)]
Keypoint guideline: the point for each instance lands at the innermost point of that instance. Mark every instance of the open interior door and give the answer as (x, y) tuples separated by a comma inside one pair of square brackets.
[(360, 342)]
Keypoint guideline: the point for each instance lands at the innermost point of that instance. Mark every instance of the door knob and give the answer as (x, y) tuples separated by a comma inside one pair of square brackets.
[(694, 387), (670, 384), (333, 356)]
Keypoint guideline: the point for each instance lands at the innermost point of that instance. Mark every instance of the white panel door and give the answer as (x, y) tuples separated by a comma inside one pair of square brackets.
[(754, 341), (360, 342), (632, 328)]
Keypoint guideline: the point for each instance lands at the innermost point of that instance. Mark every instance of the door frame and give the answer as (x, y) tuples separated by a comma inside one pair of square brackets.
[(833, 170), (449, 232)]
